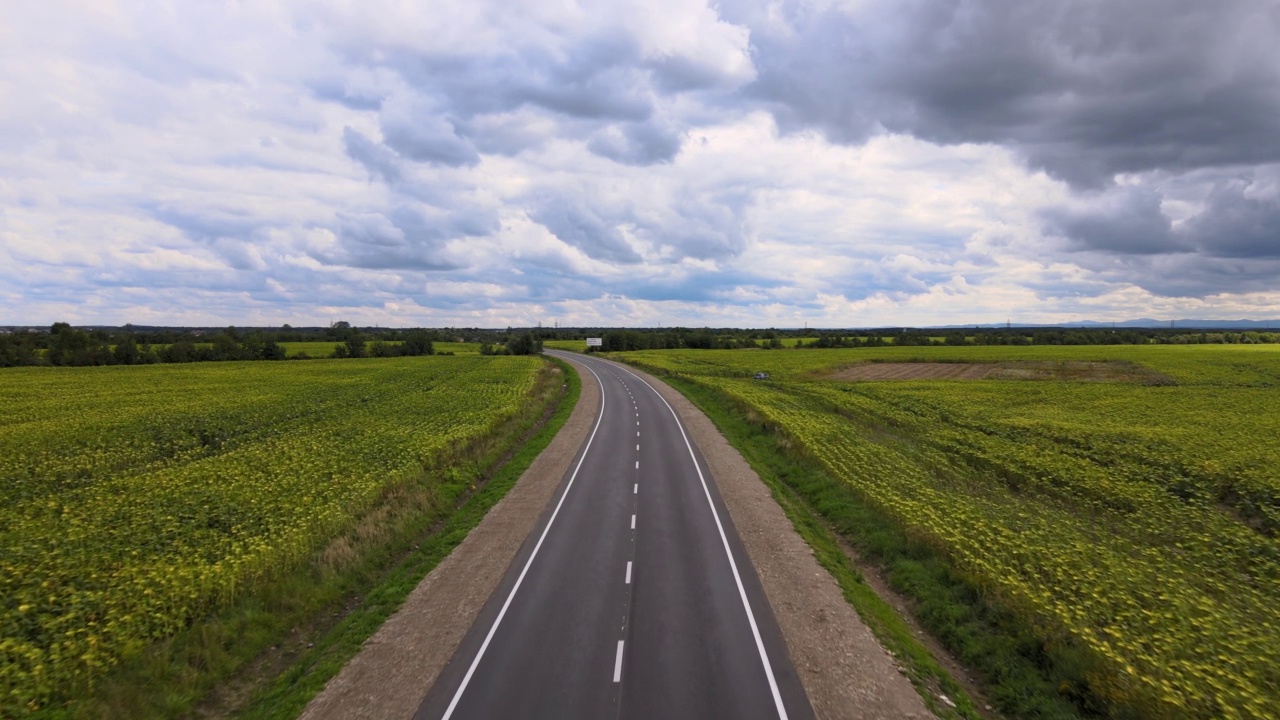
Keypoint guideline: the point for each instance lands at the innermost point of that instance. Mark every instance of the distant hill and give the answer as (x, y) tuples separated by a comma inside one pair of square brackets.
[(1184, 324)]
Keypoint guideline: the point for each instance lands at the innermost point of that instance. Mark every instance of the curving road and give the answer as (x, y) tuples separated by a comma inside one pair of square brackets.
[(632, 597)]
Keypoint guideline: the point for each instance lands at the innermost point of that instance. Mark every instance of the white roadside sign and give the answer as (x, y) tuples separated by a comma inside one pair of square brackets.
[(594, 342)]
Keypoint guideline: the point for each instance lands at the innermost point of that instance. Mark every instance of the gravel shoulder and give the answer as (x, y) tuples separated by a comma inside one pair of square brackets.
[(400, 662), (844, 669)]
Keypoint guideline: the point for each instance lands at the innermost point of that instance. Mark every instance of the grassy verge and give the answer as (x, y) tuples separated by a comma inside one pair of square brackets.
[(268, 654), (1016, 673)]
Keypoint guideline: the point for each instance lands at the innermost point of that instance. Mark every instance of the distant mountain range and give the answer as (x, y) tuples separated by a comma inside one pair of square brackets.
[(1184, 324)]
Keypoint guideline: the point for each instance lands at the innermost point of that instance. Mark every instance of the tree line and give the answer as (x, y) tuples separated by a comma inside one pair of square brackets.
[(709, 339), (64, 345)]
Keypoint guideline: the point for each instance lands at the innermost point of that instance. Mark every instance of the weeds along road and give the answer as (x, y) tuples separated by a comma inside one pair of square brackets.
[(632, 597)]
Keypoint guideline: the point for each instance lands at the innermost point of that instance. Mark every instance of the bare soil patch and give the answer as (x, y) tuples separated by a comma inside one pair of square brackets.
[(1070, 370), (915, 371)]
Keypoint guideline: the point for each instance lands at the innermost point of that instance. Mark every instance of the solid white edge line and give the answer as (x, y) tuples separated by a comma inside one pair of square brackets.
[(742, 592), (501, 613), (617, 664), (628, 572)]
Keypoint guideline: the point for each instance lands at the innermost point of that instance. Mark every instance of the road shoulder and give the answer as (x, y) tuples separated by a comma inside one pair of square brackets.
[(843, 668), (399, 663)]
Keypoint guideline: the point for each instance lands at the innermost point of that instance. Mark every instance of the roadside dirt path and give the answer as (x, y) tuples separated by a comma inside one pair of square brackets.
[(844, 670)]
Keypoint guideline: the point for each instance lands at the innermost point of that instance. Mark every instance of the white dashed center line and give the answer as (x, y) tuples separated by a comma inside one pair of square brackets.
[(633, 522), (628, 572), (635, 489), (617, 664)]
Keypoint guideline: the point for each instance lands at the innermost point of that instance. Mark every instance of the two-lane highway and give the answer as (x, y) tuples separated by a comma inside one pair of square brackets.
[(632, 597)]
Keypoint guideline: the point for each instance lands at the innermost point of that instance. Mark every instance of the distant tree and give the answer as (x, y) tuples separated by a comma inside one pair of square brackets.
[(417, 342), (383, 349), (272, 350), (17, 351), (126, 352), (179, 352), (69, 346), (225, 347), (524, 343), (340, 331), (355, 346)]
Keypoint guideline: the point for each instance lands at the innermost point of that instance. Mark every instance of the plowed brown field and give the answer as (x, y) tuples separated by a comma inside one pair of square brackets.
[(1068, 371), (916, 371)]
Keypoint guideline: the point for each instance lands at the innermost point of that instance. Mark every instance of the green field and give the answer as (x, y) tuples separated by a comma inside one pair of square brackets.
[(570, 345), (324, 349), (457, 348), (1132, 525), (136, 500)]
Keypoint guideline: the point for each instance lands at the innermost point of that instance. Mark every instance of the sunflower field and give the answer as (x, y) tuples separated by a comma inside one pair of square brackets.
[(135, 499), (1137, 523)]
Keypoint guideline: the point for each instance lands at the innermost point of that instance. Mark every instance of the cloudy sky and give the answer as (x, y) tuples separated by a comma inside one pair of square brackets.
[(667, 162)]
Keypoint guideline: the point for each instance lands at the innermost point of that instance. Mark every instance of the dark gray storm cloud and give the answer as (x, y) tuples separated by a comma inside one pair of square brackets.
[(636, 143), (380, 161), (594, 77), (1240, 218), (410, 238), (692, 224), (577, 223), (1236, 225), (706, 226), (203, 222), (1230, 244), (416, 130), (1084, 90), (332, 91), (1129, 220)]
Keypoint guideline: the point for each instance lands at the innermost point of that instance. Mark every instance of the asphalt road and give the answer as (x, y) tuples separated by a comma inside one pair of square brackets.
[(632, 597)]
